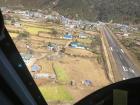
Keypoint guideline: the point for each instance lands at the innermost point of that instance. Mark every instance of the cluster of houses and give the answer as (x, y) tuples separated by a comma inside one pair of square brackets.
[(39, 14), (53, 16), (68, 23), (35, 68), (26, 57), (125, 32), (75, 44), (31, 14), (124, 28), (81, 35), (72, 24)]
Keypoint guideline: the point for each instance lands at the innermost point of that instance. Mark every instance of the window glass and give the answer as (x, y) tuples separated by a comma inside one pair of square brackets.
[(75, 47)]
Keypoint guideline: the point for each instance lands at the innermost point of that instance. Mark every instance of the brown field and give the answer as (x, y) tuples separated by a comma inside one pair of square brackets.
[(77, 69), (77, 64), (80, 69)]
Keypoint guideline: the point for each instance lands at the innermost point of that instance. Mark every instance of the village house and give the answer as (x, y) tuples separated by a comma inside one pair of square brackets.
[(77, 45), (35, 68), (82, 35), (26, 57), (52, 47), (17, 24), (68, 36)]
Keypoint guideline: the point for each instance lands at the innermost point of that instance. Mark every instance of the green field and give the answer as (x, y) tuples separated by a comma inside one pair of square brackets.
[(85, 41), (60, 73), (55, 93), (13, 35), (35, 30), (8, 22)]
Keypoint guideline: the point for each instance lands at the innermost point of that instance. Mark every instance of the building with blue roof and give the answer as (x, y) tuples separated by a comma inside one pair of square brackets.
[(77, 45), (35, 68), (68, 36)]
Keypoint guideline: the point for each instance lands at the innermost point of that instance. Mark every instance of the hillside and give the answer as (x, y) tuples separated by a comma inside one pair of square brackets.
[(104, 10)]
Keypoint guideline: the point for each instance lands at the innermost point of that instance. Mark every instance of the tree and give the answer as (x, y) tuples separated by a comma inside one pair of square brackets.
[(13, 21), (23, 35), (54, 32)]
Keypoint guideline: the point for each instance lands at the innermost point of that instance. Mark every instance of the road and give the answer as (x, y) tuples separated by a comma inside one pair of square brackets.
[(124, 64)]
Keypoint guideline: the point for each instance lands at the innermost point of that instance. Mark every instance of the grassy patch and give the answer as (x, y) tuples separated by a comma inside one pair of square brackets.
[(34, 25), (38, 25), (35, 30), (14, 35), (7, 22), (55, 93), (60, 73), (85, 41)]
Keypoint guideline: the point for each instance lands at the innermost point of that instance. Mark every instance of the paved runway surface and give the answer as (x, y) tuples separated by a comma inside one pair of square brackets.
[(123, 63)]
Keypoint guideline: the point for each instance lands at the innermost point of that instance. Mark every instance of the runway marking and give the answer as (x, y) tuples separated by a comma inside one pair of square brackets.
[(111, 48), (120, 56), (124, 78), (132, 70), (122, 51), (124, 68)]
